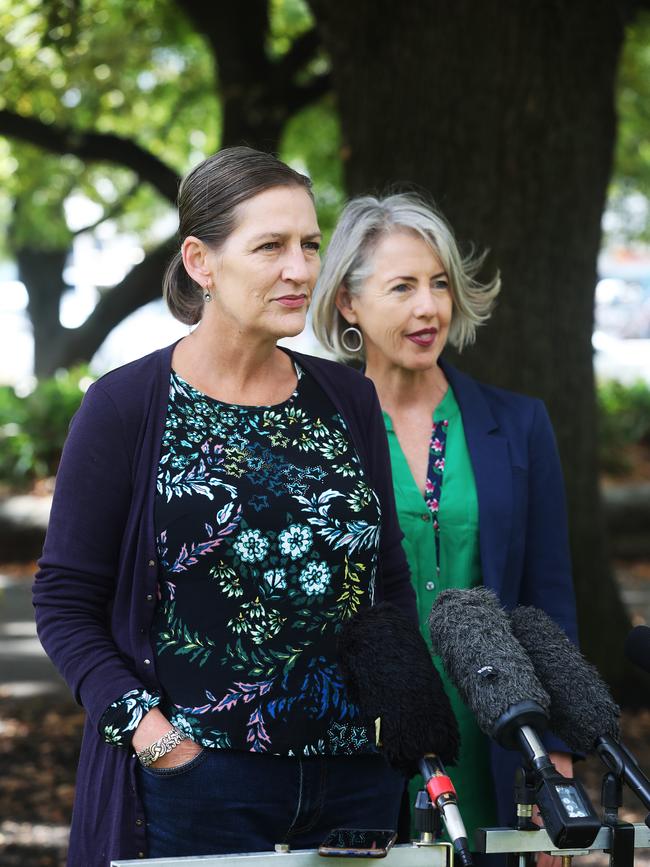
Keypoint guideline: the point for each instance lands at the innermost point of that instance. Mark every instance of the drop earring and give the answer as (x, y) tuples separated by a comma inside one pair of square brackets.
[(206, 295)]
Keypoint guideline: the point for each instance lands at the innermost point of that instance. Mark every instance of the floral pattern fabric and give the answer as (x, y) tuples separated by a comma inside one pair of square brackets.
[(123, 717), (267, 539), (435, 474)]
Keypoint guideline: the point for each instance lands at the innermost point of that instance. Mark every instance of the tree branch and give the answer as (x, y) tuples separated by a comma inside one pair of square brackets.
[(236, 33), (114, 210), (92, 147), (140, 286)]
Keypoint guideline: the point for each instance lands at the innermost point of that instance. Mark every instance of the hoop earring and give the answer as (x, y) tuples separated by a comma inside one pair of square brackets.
[(352, 331)]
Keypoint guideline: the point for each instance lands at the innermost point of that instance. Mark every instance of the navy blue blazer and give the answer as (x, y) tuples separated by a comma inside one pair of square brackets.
[(523, 527)]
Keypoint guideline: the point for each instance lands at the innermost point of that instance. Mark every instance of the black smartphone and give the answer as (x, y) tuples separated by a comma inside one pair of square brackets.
[(357, 843)]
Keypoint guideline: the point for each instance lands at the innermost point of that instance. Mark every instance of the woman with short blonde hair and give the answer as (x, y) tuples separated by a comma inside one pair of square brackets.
[(363, 223), (476, 474)]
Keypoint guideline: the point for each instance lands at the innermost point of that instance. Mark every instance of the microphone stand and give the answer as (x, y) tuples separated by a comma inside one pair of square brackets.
[(621, 852), (622, 763), (524, 800), (427, 820), (443, 796)]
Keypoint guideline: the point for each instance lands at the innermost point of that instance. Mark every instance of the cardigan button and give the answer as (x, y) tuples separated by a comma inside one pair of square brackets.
[(425, 516), (430, 585), (152, 562), (140, 854), (139, 822), (149, 597), (147, 662)]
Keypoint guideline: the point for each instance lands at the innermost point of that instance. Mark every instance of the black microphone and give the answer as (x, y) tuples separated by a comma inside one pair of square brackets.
[(389, 674), (637, 647), (495, 678), (583, 712)]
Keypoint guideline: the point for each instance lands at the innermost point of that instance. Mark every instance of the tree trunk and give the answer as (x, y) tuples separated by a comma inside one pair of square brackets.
[(505, 113), (258, 94), (42, 273)]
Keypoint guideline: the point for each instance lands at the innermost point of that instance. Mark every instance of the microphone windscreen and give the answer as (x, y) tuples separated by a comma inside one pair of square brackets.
[(492, 672), (637, 647), (388, 673), (582, 708)]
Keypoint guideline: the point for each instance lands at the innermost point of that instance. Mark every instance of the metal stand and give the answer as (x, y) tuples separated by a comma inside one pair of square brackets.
[(440, 855), (522, 843), (501, 841), (524, 799), (621, 853)]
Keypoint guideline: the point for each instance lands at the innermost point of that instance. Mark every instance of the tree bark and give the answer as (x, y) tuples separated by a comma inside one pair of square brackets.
[(41, 271), (504, 112), (258, 93)]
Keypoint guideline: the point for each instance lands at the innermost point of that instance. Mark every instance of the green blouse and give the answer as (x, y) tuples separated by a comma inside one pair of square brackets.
[(460, 568)]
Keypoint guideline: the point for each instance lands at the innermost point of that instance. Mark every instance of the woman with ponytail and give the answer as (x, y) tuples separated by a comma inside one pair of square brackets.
[(222, 507)]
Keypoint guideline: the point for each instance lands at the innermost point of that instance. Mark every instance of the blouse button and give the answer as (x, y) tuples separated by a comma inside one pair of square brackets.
[(430, 585), (147, 662), (425, 516), (152, 562)]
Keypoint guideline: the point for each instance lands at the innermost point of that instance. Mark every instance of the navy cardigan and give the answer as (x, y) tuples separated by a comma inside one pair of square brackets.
[(95, 591)]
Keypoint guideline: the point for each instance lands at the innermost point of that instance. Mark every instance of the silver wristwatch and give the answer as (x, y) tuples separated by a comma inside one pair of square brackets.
[(161, 747)]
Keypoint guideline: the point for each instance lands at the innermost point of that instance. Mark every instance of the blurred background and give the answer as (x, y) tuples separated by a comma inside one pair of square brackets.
[(528, 122)]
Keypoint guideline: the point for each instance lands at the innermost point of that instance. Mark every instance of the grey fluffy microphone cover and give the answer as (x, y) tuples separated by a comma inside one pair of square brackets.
[(582, 708), (492, 672)]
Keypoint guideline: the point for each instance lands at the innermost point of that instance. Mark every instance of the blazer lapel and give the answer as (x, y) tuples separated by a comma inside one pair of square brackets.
[(490, 457)]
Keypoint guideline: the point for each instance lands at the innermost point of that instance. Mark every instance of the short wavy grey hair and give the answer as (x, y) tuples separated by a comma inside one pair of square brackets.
[(363, 223)]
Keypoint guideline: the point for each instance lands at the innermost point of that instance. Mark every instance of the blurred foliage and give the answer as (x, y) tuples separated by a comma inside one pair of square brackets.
[(629, 196), (143, 71), (140, 72), (624, 422), (288, 19), (312, 144), (137, 70), (33, 428)]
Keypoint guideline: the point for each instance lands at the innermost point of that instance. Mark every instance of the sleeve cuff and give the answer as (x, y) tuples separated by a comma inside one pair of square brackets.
[(120, 720)]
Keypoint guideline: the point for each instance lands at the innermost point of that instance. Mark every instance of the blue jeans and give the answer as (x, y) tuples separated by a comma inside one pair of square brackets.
[(224, 801)]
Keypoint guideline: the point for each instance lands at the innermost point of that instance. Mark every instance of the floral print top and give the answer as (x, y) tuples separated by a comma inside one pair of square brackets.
[(267, 539), (435, 475)]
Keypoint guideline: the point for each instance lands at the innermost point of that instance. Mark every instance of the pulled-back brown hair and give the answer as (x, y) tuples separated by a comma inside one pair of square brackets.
[(208, 198)]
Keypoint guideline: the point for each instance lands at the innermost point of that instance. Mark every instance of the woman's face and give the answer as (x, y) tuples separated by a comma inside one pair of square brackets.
[(264, 274), (404, 308)]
